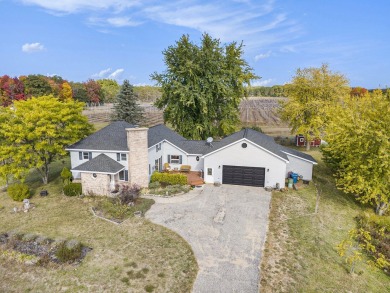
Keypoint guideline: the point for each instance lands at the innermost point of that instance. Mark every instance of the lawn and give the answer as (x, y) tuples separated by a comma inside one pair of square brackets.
[(136, 256), (300, 254)]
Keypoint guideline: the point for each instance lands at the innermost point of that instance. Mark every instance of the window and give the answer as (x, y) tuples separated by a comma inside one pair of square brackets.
[(197, 158), (156, 165), (210, 171), (150, 170), (124, 175), (121, 157), (85, 156), (174, 159), (158, 147)]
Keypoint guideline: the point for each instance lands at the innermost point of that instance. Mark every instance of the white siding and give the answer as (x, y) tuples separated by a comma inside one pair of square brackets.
[(169, 149), (75, 161), (300, 166), (153, 155), (251, 156), (195, 165)]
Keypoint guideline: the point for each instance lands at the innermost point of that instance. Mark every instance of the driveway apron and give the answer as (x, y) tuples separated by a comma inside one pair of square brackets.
[(226, 227)]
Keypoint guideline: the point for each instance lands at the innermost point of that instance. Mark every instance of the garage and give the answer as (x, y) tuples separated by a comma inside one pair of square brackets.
[(242, 175)]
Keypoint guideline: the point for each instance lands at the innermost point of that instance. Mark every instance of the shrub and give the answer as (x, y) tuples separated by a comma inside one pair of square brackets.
[(66, 175), (170, 179), (68, 253), (129, 193), (154, 185), (73, 189), (18, 192)]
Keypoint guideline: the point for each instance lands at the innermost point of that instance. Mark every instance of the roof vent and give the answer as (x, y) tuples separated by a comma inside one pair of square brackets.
[(209, 140)]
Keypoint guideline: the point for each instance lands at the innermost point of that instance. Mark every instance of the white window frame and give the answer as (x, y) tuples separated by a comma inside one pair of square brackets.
[(209, 171), (123, 157), (85, 155), (174, 160)]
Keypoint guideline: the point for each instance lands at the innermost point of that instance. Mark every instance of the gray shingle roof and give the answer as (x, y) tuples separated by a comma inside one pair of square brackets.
[(114, 138), (298, 154), (100, 164), (110, 138)]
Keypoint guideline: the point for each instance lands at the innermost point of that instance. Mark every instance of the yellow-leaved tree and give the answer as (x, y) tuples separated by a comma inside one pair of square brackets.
[(66, 92), (311, 95), (358, 150), (35, 132)]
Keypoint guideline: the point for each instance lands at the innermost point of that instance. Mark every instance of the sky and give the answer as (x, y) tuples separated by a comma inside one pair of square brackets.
[(124, 39)]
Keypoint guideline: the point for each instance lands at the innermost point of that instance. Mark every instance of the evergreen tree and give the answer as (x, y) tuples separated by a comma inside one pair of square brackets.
[(126, 106)]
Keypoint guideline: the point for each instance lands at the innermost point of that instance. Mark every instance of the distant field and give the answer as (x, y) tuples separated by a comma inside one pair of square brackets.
[(254, 111)]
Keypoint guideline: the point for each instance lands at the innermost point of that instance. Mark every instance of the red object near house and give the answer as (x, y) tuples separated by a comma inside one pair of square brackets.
[(301, 141)]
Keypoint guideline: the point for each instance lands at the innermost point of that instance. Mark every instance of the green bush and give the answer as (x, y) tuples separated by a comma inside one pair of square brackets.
[(66, 175), (72, 189), (170, 179), (18, 192), (68, 253)]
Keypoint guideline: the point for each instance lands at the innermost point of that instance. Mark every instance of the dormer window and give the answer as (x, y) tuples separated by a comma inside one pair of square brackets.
[(158, 147)]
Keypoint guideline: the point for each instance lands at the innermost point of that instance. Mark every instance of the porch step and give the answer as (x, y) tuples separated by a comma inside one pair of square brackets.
[(196, 182)]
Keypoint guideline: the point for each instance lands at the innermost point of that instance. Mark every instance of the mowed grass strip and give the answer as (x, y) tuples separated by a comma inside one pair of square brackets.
[(164, 262), (300, 253)]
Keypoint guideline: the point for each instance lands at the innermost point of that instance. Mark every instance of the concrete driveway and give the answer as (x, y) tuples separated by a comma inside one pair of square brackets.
[(226, 228)]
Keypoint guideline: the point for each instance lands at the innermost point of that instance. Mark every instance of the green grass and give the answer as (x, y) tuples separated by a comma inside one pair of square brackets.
[(137, 243), (300, 254)]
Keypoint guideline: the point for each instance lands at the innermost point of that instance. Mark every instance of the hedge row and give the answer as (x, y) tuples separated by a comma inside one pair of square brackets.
[(170, 179)]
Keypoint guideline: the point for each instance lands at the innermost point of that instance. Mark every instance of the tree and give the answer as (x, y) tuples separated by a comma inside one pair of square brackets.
[(94, 92), (147, 93), (36, 85), (11, 89), (79, 92), (66, 92), (358, 91), (126, 105), (203, 86), (311, 95), (358, 137), (35, 132), (110, 88)]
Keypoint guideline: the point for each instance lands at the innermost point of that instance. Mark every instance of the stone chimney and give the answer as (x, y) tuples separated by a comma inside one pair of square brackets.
[(137, 141)]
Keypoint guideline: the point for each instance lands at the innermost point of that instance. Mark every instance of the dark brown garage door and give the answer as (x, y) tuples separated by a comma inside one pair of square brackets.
[(241, 175)]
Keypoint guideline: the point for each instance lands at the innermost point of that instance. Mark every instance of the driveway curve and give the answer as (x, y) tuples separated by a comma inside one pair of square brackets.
[(226, 227)]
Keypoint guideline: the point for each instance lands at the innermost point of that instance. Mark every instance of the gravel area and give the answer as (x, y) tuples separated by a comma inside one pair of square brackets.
[(226, 228)]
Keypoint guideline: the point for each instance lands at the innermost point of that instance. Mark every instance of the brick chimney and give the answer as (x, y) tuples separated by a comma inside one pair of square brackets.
[(137, 141)]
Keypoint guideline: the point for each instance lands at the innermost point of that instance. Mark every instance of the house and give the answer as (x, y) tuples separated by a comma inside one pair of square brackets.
[(301, 141), (122, 152)]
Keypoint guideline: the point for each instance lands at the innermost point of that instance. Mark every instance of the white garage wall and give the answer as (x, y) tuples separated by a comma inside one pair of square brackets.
[(300, 166), (252, 156)]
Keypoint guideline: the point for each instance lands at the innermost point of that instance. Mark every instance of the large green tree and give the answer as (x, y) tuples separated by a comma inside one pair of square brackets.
[(358, 137), (126, 105), (203, 86), (36, 85), (35, 132), (311, 96), (110, 88)]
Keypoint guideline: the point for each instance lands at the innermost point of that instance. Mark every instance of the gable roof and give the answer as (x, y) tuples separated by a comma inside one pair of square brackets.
[(100, 164), (110, 138), (114, 138), (298, 154)]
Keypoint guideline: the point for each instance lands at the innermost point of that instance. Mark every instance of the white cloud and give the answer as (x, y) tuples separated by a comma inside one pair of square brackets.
[(262, 82), (116, 73), (108, 73), (263, 56), (258, 23), (72, 6), (32, 47), (113, 21)]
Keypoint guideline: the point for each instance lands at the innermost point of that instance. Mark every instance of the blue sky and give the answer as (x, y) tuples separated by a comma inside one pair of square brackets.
[(124, 39)]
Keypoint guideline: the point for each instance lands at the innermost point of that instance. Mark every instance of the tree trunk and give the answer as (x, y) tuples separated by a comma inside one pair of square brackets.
[(381, 208), (307, 143)]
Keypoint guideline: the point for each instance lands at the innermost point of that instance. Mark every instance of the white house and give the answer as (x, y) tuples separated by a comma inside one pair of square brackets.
[(122, 152)]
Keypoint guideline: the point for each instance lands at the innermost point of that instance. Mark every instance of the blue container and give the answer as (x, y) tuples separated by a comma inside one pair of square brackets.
[(294, 176)]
